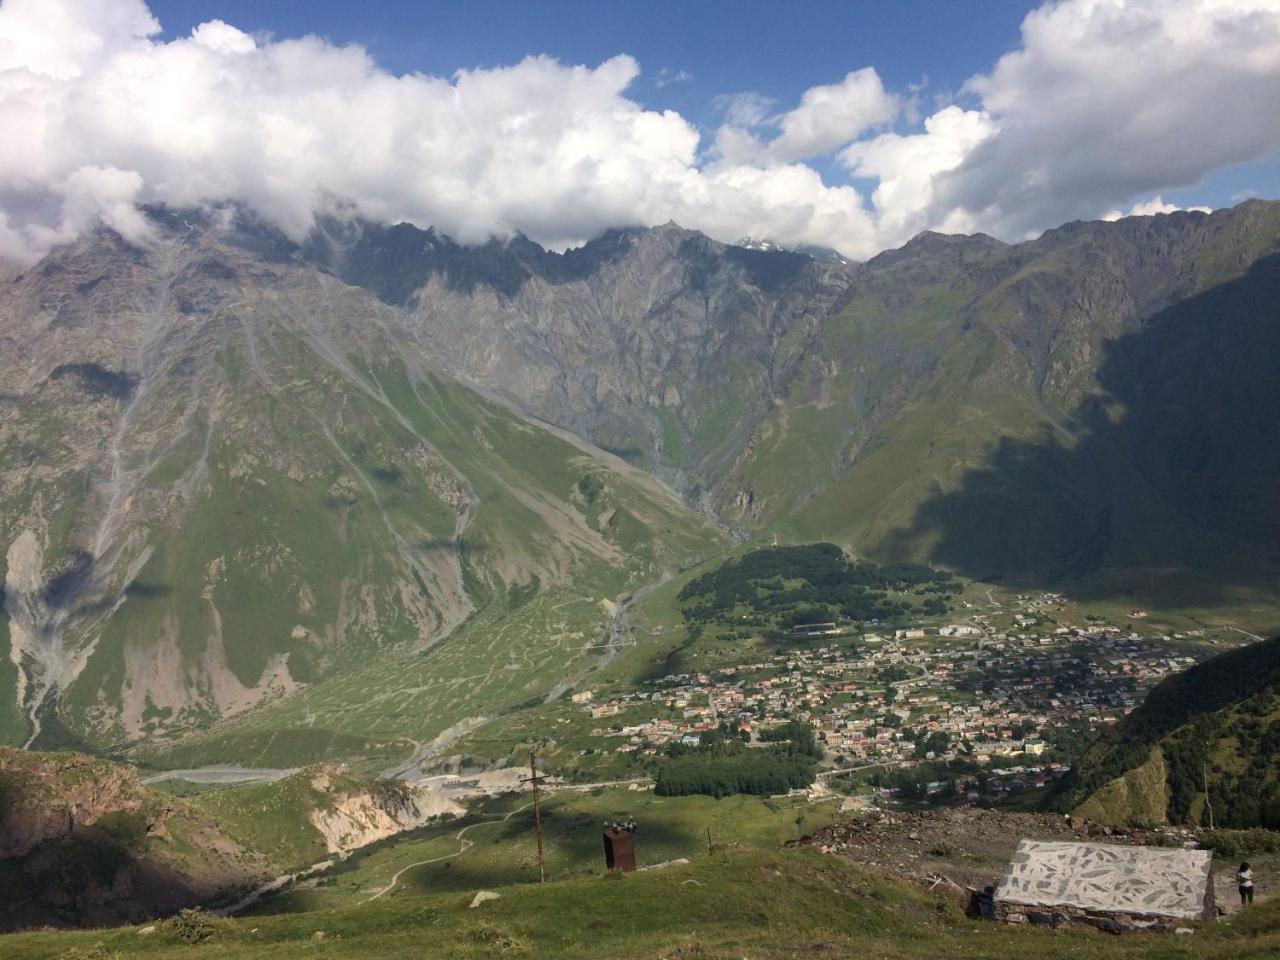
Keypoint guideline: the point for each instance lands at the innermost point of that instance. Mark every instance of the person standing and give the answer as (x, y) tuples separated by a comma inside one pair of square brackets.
[(1244, 877)]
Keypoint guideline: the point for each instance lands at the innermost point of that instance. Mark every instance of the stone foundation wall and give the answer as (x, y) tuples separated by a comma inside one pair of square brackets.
[(1067, 916)]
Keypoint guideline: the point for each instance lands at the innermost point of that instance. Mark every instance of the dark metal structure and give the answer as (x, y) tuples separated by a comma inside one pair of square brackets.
[(620, 850)]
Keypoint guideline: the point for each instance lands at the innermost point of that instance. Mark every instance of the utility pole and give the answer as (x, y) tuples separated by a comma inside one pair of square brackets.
[(534, 779), (1207, 803)]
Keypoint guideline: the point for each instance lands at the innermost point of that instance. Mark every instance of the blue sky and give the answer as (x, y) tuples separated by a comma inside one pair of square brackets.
[(780, 49), (852, 125), (777, 49)]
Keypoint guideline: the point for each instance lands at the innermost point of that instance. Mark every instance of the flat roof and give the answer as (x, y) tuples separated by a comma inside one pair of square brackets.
[(1160, 881)]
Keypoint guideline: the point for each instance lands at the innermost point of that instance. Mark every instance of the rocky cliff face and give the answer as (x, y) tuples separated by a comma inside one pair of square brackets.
[(84, 843), (356, 814), (50, 796), (659, 344)]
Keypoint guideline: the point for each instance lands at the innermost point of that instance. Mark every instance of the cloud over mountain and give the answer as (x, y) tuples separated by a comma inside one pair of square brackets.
[(1104, 103)]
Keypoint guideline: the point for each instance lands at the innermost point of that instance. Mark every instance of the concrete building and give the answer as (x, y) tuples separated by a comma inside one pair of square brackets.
[(1107, 886)]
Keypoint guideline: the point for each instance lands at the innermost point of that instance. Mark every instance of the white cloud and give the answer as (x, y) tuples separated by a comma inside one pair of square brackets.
[(111, 117), (1107, 100), (1105, 103), (1147, 208), (831, 116), (827, 117), (907, 166), (668, 75)]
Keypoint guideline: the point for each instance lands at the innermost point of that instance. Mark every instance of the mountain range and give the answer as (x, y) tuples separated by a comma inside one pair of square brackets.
[(396, 483)]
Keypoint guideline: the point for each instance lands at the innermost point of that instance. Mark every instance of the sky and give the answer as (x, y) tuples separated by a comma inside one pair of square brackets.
[(850, 125)]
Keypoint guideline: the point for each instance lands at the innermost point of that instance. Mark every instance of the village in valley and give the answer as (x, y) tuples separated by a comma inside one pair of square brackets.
[(982, 708)]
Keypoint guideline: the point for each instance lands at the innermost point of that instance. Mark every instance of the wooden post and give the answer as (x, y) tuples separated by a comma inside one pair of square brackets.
[(708, 840), (537, 816), (534, 779), (1208, 804)]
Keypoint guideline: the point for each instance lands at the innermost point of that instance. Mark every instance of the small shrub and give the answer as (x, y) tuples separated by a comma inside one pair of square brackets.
[(192, 926), (590, 487), (490, 936), (1238, 844), (941, 850)]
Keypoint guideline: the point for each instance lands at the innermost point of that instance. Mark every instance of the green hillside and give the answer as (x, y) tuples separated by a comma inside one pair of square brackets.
[(284, 496), (1043, 414), (782, 904), (1217, 724), (538, 557)]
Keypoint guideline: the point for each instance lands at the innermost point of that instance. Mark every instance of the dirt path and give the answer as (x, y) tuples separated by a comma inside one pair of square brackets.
[(463, 845), (275, 886)]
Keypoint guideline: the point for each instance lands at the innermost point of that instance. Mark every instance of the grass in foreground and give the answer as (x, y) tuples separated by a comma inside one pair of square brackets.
[(501, 852), (791, 903)]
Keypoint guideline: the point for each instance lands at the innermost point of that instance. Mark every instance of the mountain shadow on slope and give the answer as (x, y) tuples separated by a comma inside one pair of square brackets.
[(1171, 467)]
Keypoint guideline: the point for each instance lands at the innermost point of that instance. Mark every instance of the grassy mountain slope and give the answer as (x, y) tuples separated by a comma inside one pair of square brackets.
[(229, 476), (1090, 404), (1218, 722), (769, 905)]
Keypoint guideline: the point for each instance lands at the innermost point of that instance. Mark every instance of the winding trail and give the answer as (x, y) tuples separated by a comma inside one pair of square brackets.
[(463, 845), (274, 886)]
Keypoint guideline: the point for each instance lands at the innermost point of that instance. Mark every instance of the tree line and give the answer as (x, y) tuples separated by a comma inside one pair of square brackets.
[(812, 583), (722, 764)]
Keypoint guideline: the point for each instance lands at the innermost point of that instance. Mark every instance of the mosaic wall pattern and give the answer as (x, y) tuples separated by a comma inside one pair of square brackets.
[(1105, 877)]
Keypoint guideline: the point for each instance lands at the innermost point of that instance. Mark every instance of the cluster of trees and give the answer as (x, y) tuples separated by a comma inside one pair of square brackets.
[(800, 736), (1185, 703), (1246, 793), (722, 765), (935, 743), (760, 772), (812, 583), (914, 784), (724, 739)]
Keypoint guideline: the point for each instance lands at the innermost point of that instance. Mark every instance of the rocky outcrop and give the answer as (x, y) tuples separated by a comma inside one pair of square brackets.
[(84, 843), (49, 796), (358, 813)]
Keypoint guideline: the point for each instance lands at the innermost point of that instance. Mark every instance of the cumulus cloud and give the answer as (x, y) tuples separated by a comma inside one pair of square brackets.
[(112, 117), (907, 167), (827, 117), (1147, 208), (1104, 103), (831, 116), (1106, 100)]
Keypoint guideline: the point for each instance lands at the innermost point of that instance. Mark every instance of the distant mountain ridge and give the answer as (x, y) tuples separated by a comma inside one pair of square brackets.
[(235, 468), (981, 382)]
